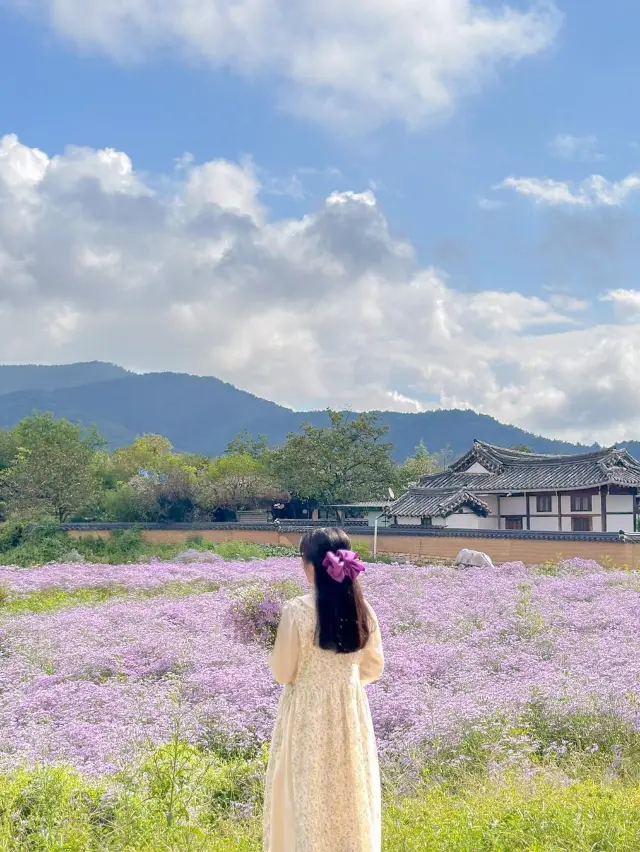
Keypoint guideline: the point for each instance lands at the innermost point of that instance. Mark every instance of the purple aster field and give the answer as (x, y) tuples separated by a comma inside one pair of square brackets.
[(96, 686)]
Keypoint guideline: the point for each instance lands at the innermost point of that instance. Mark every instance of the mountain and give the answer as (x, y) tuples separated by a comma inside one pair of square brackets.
[(39, 377), (203, 414)]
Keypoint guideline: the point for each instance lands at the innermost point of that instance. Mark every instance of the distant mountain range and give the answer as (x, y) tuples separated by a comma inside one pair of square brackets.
[(203, 414)]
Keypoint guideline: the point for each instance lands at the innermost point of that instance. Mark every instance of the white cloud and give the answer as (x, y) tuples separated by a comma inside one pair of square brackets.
[(326, 309), (569, 304), (352, 63), (626, 302), (595, 191), (583, 148)]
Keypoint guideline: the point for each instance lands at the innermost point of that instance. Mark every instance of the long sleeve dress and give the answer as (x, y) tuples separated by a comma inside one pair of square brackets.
[(322, 789)]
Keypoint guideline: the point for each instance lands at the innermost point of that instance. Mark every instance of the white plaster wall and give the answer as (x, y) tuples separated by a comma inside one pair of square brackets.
[(596, 523), (491, 500), (466, 521), (513, 506), (546, 522), (620, 522), (476, 467), (412, 522), (619, 503)]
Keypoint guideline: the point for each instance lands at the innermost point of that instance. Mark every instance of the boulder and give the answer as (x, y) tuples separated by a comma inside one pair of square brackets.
[(473, 559)]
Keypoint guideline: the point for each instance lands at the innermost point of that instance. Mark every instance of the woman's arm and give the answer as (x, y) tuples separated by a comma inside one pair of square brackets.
[(283, 660), (372, 661)]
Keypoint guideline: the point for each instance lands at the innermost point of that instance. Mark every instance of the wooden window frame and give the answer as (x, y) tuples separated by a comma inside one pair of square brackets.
[(577, 501), (579, 520), (513, 519), (548, 501)]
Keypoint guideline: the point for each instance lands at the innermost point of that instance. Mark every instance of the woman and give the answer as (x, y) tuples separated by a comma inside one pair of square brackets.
[(323, 785)]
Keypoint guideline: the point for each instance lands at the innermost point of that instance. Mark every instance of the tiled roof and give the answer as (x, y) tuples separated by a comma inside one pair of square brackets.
[(425, 503), (513, 471)]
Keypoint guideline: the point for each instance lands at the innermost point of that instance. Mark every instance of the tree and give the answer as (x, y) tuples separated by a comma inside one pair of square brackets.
[(444, 457), (522, 448), (246, 444), (345, 462), (8, 448), (55, 470), (237, 481), (420, 464), (148, 453)]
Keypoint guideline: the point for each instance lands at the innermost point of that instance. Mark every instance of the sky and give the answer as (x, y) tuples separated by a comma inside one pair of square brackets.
[(386, 204)]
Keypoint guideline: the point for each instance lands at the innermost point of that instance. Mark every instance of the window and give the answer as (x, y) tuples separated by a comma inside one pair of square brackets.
[(581, 524), (513, 523), (426, 522), (543, 502), (581, 502)]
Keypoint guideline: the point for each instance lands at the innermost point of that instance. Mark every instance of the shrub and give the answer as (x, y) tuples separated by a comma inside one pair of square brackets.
[(255, 614)]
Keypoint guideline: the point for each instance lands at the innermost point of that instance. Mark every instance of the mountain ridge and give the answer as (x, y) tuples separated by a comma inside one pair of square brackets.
[(206, 413)]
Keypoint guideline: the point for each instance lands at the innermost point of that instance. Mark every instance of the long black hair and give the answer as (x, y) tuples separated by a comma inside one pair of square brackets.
[(343, 623)]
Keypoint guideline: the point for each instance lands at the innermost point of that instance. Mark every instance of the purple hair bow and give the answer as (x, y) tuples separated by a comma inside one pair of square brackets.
[(343, 563)]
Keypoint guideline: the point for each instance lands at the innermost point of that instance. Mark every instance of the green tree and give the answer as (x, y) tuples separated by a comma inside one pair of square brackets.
[(345, 462), (420, 464), (246, 444), (148, 453), (8, 448), (55, 470), (522, 448), (237, 481)]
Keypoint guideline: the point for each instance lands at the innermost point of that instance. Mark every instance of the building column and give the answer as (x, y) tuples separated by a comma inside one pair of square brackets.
[(559, 497), (527, 497), (603, 507), (634, 497)]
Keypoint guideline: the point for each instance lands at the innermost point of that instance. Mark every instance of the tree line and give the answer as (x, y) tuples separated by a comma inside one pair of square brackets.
[(58, 470)]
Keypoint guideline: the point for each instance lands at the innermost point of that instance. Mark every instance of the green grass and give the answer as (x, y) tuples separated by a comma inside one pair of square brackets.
[(54, 599), (186, 799), (517, 817), (183, 797), (25, 545)]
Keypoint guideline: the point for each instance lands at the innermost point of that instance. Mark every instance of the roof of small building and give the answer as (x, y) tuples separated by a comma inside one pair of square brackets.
[(425, 503), (370, 504), (518, 471)]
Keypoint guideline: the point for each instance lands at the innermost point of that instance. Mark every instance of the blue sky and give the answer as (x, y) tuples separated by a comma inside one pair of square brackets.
[(463, 156)]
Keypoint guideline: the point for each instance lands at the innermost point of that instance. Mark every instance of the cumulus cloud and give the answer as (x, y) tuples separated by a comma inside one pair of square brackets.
[(565, 146), (595, 191), (356, 63), (327, 309), (625, 302)]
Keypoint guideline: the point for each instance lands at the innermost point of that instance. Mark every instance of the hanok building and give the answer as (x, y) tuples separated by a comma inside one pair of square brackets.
[(499, 489)]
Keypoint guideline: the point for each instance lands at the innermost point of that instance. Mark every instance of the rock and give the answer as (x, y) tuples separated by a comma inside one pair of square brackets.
[(73, 557), (473, 559), (193, 555)]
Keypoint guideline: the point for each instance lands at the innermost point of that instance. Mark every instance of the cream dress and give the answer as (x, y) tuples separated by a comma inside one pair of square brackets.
[(323, 785)]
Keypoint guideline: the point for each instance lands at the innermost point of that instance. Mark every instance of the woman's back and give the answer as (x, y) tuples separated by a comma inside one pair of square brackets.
[(322, 789), (317, 668)]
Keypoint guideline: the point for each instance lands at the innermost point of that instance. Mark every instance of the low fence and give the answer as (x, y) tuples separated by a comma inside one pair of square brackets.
[(409, 543)]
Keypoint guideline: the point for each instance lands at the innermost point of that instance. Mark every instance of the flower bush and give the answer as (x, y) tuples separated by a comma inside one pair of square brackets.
[(93, 682)]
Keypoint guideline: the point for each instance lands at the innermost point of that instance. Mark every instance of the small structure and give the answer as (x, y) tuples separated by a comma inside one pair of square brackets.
[(366, 512), (499, 489)]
